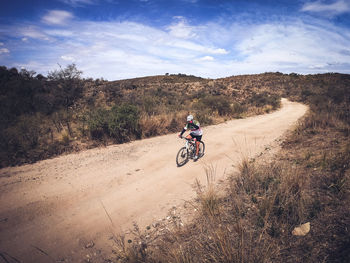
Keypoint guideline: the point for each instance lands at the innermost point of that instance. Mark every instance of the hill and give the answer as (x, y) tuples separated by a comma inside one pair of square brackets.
[(47, 116), (253, 218), (54, 203), (258, 214)]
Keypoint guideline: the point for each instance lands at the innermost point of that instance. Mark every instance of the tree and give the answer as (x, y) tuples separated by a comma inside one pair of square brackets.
[(69, 73), (28, 75), (69, 89)]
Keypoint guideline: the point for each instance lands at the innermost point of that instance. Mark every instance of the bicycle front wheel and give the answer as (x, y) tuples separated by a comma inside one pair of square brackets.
[(201, 149), (182, 157)]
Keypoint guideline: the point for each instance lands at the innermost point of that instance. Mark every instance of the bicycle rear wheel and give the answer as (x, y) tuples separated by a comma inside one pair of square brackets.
[(182, 157), (201, 149)]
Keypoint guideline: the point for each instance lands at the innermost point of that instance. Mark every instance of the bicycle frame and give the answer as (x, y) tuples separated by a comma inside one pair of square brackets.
[(188, 151), (188, 144)]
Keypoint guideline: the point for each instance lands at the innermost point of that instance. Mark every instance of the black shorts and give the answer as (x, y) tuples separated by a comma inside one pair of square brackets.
[(197, 137)]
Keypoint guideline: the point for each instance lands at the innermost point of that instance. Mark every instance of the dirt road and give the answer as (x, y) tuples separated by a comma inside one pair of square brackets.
[(51, 210)]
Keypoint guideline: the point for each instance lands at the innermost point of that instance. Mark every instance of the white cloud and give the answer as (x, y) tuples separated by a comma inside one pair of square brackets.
[(32, 32), (181, 29), (57, 17), (23, 32), (78, 2), (117, 50), (68, 58), (58, 33), (207, 58), (294, 47), (4, 50), (41, 67), (221, 51), (327, 9), (318, 66)]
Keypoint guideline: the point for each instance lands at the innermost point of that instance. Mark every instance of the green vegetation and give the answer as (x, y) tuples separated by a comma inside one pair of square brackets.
[(120, 123), (47, 116), (253, 218), (37, 112)]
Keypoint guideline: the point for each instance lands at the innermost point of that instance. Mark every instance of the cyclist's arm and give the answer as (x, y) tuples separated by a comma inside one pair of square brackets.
[(183, 130)]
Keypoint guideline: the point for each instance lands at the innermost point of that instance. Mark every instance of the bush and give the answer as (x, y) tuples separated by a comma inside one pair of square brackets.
[(121, 123), (204, 118), (237, 109), (219, 104), (262, 99), (97, 123), (150, 105), (18, 141)]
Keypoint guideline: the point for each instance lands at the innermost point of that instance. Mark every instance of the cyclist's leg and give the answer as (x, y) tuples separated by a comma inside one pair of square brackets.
[(189, 137), (198, 139)]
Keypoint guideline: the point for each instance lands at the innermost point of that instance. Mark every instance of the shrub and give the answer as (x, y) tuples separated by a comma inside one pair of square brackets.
[(121, 123), (150, 105), (219, 104), (97, 123), (65, 139), (204, 118), (264, 98), (19, 140), (237, 109), (174, 124)]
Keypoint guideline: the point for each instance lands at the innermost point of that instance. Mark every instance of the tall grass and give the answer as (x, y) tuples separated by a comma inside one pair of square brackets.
[(101, 112), (253, 219), (242, 225), (208, 196)]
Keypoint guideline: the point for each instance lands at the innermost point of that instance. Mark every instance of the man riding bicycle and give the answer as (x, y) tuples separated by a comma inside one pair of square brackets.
[(196, 132)]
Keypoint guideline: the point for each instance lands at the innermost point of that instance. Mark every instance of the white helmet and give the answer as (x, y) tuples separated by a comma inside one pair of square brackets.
[(189, 118)]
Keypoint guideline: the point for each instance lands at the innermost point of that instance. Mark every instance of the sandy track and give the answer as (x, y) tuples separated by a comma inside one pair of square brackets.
[(50, 210)]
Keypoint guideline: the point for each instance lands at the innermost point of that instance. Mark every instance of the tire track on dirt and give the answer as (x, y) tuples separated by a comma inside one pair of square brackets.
[(58, 205)]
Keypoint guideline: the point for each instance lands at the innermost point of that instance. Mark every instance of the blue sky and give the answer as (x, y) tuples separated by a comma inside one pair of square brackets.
[(119, 39)]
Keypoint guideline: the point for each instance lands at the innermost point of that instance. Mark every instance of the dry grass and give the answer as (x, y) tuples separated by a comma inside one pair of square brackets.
[(239, 226), (162, 102), (162, 124), (308, 181), (252, 221), (208, 197)]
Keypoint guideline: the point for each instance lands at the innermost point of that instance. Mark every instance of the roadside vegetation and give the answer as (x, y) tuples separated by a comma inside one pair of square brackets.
[(249, 218), (45, 116), (258, 214)]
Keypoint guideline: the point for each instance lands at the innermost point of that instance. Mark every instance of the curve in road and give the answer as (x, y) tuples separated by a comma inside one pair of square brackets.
[(50, 210)]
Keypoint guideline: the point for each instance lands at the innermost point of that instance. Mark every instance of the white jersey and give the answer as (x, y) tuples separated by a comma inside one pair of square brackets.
[(195, 128)]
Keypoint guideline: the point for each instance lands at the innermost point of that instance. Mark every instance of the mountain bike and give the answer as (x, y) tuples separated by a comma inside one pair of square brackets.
[(189, 151)]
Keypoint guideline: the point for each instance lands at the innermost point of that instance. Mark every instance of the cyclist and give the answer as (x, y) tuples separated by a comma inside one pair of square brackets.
[(196, 132)]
